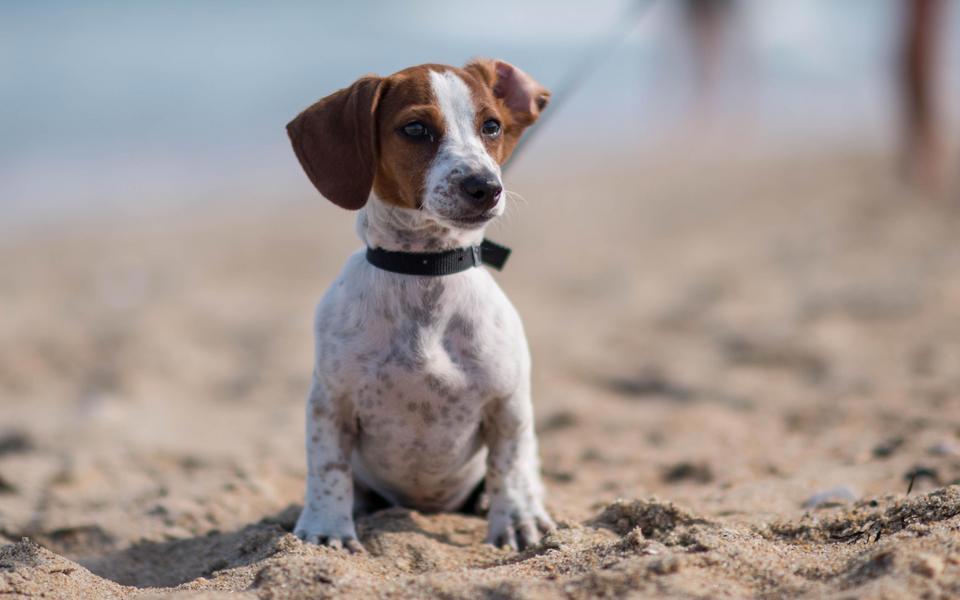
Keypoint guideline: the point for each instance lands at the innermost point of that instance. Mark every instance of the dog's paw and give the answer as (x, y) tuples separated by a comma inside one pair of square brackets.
[(338, 534), (517, 525)]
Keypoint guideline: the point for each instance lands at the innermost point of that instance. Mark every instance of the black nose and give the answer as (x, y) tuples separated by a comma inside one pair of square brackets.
[(483, 191)]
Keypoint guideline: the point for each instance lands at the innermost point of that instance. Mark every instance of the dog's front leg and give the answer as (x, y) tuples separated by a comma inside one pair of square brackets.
[(327, 516), (517, 516)]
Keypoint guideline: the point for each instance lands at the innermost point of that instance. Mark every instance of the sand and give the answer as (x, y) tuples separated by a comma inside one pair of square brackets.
[(739, 366)]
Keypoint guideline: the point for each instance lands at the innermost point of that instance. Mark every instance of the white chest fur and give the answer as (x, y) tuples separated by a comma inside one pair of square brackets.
[(421, 359)]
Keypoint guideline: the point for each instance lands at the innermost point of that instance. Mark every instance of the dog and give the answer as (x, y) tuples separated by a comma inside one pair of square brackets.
[(420, 394)]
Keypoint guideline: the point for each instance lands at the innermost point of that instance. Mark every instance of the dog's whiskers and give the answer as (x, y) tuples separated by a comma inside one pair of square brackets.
[(515, 196)]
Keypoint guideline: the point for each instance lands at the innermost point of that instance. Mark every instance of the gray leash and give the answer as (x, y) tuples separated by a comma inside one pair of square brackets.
[(577, 76)]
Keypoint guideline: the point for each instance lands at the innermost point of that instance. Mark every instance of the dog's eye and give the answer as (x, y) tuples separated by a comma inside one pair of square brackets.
[(491, 128), (416, 129)]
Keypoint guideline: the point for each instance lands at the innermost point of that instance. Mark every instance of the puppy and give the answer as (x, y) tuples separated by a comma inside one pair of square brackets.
[(421, 385)]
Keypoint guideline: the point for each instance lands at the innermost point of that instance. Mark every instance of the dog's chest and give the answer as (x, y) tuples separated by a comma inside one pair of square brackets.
[(417, 428), (419, 355), (420, 360)]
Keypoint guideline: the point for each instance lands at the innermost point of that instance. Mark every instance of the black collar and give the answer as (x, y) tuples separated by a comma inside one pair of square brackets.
[(439, 263)]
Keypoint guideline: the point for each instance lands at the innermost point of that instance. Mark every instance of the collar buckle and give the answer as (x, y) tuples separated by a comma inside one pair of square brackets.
[(476, 256)]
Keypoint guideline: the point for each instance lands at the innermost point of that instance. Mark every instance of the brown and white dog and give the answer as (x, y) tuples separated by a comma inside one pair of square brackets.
[(421, 385)]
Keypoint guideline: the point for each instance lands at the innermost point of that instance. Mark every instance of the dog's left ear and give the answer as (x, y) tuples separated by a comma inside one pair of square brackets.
[(519, 94), (335, 141)]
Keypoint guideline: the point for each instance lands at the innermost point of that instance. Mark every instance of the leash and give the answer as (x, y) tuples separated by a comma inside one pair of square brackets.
[(578, 76), (490, 253)]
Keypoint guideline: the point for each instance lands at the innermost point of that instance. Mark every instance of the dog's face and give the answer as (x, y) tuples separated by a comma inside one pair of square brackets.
[(430, 137)]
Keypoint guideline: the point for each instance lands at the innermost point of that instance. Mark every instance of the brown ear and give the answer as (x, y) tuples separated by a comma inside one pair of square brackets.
[(519, 94), (335, 141)]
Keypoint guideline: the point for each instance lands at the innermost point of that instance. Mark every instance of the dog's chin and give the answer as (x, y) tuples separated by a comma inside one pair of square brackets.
[(472, 221), (467, 221)]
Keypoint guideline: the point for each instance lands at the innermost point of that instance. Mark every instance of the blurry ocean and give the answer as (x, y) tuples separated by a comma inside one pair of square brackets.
[(116, 104)]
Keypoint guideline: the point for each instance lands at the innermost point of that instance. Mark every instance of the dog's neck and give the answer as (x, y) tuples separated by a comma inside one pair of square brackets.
[(381, 225)]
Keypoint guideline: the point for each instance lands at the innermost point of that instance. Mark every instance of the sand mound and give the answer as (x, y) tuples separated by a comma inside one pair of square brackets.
[(27, 570), (642, 547)]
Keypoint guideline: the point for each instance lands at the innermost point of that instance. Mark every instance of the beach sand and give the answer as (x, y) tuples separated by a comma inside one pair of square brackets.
[(738, 363)]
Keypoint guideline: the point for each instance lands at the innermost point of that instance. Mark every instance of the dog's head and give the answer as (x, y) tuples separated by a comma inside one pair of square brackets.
[(430, 137)]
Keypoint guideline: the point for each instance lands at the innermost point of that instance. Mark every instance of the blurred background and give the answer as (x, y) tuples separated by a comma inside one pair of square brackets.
[(177, 102), (736, 257)]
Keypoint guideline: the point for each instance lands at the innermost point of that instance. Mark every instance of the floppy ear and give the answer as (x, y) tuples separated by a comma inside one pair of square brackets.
[(335, 141), (521, 97)]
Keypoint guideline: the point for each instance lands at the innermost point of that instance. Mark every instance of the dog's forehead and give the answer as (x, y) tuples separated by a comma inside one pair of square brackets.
[(419, 85)]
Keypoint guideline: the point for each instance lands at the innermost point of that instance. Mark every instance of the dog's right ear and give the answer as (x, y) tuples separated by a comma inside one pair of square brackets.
[(522, 98), (335, 141)]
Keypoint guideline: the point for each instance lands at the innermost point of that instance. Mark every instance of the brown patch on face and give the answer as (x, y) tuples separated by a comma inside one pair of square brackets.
[(403, 161), (518, 99), (487, 107), (407, 96), (352, 141)]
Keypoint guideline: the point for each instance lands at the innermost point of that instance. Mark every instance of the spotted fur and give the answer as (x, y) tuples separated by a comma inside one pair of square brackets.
[(421, 385)]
